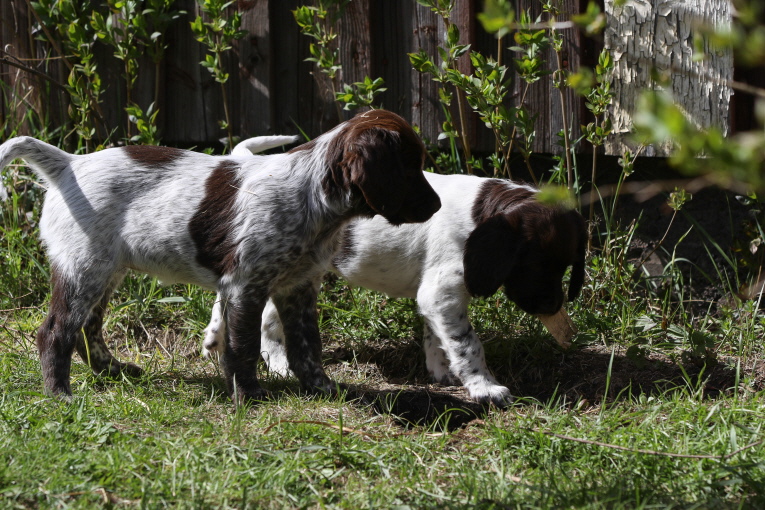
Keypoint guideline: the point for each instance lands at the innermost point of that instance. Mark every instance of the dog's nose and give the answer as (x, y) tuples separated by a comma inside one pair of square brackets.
[(425, 207), (541, 304)]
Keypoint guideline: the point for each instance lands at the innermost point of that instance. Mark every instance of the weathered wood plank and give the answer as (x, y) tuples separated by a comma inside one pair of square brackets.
[(355, 44), (571, 61), (255, 61), (23, 89), (299, 101), (645, 35), (389, 58), (189, 116), (428, 33), (463, 16)]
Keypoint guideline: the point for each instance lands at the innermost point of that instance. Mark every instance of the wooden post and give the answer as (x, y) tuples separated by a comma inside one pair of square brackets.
[(646, 35), (355, 44), (427, 32), (23, 88), (255, 61)]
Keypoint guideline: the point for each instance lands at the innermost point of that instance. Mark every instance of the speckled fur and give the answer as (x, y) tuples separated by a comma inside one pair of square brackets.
[(248, 227)]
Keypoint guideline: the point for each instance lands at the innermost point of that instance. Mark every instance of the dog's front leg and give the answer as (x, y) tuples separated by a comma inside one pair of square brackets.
[(242, 310), (444, 307), (297, 310)]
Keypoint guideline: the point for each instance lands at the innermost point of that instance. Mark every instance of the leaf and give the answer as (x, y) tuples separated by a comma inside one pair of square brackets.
[(497, 16), (174, 299), (453, 35)]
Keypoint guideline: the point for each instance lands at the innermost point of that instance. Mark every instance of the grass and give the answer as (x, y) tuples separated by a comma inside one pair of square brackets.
[(172, 439), (656, 406)]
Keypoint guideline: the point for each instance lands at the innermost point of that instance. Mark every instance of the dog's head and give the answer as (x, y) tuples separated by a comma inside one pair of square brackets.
[(378, 157), (525, 246)]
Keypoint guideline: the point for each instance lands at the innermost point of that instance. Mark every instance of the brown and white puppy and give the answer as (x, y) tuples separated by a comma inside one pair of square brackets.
[(488, 233), (252, 228)]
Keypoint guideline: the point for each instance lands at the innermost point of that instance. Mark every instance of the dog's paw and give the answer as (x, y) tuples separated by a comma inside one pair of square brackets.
[(322, 386), (116, 369), (251, 397), (131, 370), (213, 342), (495, 394)]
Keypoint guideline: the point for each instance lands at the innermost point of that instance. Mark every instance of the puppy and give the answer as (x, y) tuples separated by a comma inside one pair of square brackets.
[(488, 233), (251, 228)]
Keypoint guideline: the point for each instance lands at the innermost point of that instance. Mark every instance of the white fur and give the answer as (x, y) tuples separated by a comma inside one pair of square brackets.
[(262, 143)]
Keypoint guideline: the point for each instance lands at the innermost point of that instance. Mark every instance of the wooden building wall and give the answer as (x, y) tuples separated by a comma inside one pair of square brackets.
[(273, 90)]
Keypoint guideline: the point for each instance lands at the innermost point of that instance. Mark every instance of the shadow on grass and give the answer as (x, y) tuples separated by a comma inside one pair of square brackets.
[(539, 371), (534, 371), (438, 409)]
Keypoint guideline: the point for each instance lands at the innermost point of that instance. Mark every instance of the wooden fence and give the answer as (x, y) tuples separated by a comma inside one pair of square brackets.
[(273, 90)]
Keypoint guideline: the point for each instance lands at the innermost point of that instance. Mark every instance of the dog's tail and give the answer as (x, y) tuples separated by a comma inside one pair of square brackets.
[(46, 160), (260, 143)]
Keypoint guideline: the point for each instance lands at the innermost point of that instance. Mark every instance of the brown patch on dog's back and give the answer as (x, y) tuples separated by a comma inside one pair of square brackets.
[(496, 197), (304, 147), (153, 156), (211, 227)]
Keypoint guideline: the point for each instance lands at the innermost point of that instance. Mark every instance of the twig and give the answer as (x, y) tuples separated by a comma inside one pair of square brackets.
[(646, 190), (647, 452), (20, 308), (14, 62)]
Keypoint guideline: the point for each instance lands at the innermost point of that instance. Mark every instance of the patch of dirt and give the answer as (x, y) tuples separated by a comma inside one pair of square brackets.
[(395, 379)]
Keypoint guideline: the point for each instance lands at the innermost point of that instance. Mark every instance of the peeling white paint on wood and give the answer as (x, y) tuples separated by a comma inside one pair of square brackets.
[(659, 34)]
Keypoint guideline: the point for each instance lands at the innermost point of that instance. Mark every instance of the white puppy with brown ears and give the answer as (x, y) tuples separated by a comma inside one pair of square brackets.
[(252, 228), (488, 233)]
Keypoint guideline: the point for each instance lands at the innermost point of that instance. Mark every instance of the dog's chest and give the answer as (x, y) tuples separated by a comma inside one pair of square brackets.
[(290, 260)]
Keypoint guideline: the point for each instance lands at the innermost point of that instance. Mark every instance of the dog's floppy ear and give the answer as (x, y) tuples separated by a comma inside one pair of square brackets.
[(491, 251), (373, 164), (577, 268)]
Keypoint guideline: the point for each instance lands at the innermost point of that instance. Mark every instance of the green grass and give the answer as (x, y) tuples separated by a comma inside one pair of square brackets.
[(172, 439)]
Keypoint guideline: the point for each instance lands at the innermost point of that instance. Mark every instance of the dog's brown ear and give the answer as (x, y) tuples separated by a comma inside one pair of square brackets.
[(373, 164), (577, 268), (491, 251)]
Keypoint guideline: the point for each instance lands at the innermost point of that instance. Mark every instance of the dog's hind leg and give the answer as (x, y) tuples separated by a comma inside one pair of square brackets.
[(91, 346), (273, 347), (297, 310), (72, 300)]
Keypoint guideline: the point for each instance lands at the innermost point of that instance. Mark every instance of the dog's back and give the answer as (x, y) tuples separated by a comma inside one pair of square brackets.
[(392, 259)]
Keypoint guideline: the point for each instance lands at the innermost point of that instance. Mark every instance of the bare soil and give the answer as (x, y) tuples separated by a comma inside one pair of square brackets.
[(577, 377)]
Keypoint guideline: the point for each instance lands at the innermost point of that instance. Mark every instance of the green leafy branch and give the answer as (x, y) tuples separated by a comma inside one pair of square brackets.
[(447, 72), (70, 21), (318, 22), (217, 31)]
